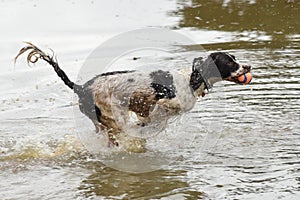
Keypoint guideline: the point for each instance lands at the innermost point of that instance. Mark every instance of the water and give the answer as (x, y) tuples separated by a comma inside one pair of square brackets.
[(253, 153)]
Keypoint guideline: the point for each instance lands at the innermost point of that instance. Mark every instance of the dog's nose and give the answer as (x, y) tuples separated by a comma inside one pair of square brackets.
[(247, 67)]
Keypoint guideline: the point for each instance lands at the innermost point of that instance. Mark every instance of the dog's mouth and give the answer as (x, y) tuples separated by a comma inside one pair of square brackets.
[(242, 70)]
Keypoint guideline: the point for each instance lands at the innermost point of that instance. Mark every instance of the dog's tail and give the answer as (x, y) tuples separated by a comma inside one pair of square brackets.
[(35, 54)]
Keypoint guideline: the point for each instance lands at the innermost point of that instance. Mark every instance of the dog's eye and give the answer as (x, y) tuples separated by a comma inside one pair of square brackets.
[(229, 64)]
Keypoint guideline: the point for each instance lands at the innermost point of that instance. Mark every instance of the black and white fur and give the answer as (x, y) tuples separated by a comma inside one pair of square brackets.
[(132, 103)]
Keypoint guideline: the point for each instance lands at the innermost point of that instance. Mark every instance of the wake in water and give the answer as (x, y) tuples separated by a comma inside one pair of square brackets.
[(27, 149)]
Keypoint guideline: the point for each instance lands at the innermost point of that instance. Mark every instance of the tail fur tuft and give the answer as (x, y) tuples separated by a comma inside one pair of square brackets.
[(35, 54)]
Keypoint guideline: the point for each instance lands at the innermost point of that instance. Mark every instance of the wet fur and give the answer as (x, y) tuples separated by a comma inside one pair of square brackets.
[(124, 101)]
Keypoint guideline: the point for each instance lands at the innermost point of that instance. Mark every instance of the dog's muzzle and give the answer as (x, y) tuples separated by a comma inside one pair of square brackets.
[(243, 69)]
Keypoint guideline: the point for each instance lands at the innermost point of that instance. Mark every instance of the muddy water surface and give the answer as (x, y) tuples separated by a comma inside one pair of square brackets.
[(252, 132)]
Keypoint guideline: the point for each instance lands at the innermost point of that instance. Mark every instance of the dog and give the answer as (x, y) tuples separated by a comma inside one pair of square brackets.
[(127, 105)]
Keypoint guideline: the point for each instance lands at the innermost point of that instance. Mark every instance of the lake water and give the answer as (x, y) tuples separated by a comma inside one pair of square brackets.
[(239, 141)]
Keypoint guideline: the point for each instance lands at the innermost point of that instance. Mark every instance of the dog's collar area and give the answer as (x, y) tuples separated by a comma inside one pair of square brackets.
[(199, 84), (206, 86), (201, 90)]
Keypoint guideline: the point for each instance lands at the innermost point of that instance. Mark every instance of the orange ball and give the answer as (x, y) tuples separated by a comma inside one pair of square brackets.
[(245, 78)]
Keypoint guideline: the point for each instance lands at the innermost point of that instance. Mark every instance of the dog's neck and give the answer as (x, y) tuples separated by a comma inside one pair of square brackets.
[(200, 91), (186, 72)]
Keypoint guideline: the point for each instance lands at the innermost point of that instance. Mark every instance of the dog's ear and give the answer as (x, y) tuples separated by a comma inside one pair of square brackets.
[(209, 69), (206, 69), (196, 79), (204, 66), (197, 62)]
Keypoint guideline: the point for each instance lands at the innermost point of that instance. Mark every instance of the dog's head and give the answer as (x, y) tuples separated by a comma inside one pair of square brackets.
[(218, 66)]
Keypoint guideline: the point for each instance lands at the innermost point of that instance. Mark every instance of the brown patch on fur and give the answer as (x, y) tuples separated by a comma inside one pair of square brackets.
[(142, 103)]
